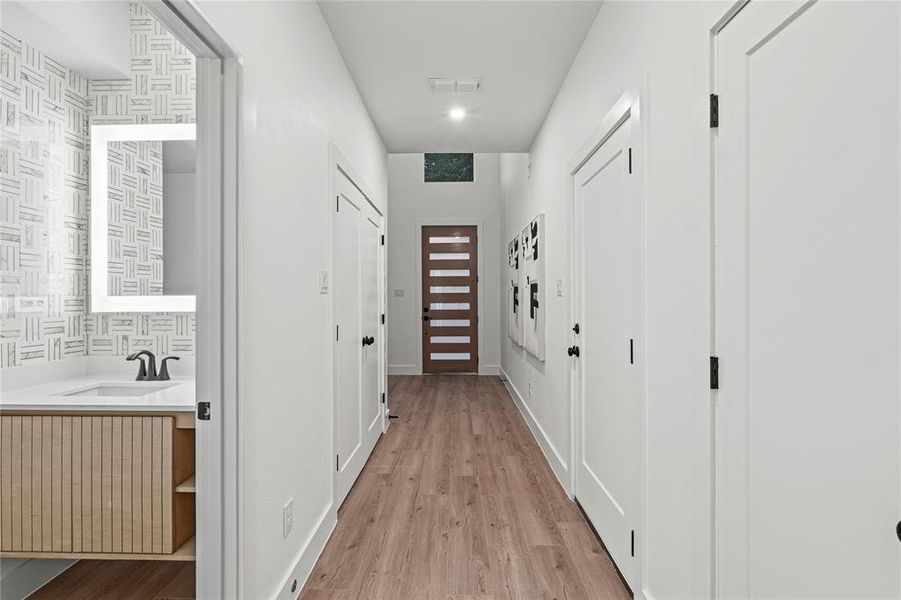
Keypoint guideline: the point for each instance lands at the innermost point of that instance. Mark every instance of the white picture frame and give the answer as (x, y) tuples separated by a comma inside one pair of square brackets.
[(101, 136)]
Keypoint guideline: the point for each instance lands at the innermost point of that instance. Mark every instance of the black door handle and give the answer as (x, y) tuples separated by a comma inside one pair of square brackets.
[(576, 328), (368, 341), (573, 351)]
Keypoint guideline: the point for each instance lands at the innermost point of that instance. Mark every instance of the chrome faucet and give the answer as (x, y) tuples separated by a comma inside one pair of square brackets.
[(148, 372)]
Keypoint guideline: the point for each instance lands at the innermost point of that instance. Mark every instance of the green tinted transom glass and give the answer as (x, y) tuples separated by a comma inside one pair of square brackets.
[(445, 167)]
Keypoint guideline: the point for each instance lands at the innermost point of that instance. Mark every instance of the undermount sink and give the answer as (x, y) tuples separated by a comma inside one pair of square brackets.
[(120, 390)]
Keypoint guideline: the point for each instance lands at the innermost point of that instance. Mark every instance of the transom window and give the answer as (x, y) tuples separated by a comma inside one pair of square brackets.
[(445, 167)]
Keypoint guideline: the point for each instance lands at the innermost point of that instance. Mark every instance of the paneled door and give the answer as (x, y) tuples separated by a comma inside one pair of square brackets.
[(357, 229), (807, 301), (450, 299), (608, 405)]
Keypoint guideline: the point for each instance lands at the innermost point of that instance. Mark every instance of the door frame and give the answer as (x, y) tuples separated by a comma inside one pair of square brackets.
[(339, 166), (480, 227), (628, 106), (218, 314)]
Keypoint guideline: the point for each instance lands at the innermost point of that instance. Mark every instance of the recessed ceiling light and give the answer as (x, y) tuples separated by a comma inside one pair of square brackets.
[(457, 114)]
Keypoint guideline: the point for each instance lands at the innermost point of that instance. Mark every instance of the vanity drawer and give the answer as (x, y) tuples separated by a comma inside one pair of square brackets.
[(93, 484)]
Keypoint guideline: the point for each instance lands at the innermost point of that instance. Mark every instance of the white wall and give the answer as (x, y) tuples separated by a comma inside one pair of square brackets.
[(298, 97), (668, 43), (179, 245), (410, 200)]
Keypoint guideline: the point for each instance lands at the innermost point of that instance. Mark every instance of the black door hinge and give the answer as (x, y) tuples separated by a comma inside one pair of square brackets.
[(336, 332), (630, 161), (383, 397), (631, 351), (337, 468), (714, 373), (383, 318), (633, 542), (383, 240), (203, 411), (714, 111), (337, 203)]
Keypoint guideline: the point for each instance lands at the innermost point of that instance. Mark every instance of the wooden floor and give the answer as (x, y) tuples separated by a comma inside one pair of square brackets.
[(458, 502), (121, 580)]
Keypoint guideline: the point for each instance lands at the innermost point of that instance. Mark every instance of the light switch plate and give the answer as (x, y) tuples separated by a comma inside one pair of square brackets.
[(323, 282)]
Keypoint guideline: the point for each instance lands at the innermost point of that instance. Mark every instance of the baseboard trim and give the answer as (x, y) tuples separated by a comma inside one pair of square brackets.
[(557, 463), (31, 575), (489, 370), (309, 553), (404, 370)]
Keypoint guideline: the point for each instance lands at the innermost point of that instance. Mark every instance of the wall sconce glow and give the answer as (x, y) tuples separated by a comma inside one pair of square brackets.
[(457, 114)]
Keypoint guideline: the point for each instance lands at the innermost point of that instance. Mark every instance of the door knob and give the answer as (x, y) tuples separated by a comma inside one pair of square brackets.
[(368, 340), (576, 328), (573, 351)]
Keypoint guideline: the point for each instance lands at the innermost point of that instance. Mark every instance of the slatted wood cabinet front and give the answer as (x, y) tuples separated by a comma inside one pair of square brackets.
[(99, 484)]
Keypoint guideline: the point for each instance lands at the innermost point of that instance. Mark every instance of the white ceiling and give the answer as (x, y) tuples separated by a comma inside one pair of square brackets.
[(522, 49), (91, 37)]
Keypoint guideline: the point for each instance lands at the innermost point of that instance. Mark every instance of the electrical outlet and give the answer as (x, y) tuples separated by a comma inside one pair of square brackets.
[(400, 292), (560, 287), (287, 517), (530, 389), (323, 282)]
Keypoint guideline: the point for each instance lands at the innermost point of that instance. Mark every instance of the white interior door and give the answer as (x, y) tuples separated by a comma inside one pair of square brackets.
[(608, 407), (807, 302), (356, 291), (370, 388)]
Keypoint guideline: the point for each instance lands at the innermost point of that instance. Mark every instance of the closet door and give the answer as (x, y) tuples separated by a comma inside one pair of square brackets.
[(370, 246), (358, 423), (807, 302), (608, 410)]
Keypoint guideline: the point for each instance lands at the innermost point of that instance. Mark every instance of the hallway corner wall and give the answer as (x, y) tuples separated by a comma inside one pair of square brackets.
[(666, 45), (297, 97), (413, 201)]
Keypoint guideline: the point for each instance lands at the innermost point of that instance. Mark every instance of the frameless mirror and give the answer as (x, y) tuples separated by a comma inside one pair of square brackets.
[(143, 218)]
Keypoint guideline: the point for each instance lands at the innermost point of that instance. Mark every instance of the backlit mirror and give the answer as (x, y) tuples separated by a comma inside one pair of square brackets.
[(143, 218)]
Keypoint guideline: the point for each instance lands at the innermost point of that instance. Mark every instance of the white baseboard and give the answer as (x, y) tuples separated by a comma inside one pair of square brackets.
[(489, 370), (404, 370), (558, 464), (23, 579), (309, 553)]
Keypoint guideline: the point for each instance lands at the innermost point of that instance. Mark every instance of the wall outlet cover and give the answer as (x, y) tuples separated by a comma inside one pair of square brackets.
[(399, 292), (323, 282), (287, 517), (559, 287)]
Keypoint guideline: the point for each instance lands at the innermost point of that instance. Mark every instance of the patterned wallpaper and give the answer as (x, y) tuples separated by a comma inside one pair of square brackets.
[(45, 110), (43, 206), (135, 218)]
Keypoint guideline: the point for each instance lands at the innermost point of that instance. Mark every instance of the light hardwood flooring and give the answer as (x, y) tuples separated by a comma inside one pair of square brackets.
[(121, 580), (457, 502)]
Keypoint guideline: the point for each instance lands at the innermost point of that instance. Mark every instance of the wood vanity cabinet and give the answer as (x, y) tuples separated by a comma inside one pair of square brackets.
[(96, 486)]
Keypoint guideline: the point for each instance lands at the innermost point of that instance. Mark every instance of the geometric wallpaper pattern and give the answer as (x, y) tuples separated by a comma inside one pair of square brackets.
[(135, 214), (45, 112), (43, 206)]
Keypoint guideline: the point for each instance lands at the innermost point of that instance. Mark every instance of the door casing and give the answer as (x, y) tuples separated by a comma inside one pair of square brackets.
[(219, 320)]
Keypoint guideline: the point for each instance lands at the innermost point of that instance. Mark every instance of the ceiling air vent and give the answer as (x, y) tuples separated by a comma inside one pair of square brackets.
[(460, 86)]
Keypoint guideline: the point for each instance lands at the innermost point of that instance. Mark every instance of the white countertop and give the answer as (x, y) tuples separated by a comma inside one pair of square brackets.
[(178, 397)]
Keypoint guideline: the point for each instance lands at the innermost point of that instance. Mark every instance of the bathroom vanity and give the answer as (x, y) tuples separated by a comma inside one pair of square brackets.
[(98, 468)]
